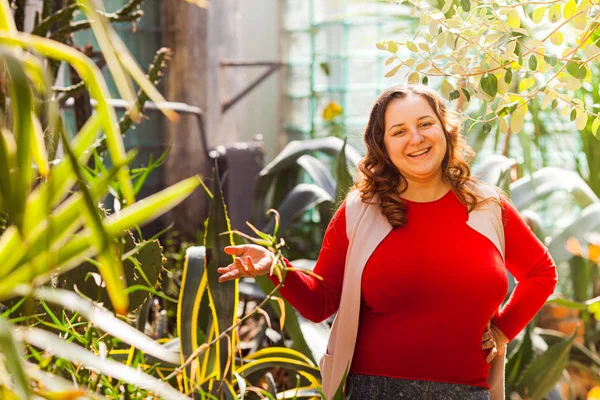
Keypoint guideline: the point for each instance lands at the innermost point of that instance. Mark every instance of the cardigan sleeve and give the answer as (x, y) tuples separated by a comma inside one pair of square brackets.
[(530, 263), (318, 299)]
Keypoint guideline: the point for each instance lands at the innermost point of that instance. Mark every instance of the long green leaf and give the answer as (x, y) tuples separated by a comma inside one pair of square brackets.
[(281, 362), (77, 354), (547, 181), (102, 31), (224, 296), (22, 128), (287, 159), (7, 23), (318, 172), (519, 359), (303, 197), (193, 284), (14, 360), (540, 376)]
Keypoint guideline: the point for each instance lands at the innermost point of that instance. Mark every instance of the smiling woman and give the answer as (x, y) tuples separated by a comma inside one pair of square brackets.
[(419, 249)]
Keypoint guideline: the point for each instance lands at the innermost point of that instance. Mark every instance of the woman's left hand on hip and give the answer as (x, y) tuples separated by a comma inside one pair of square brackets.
[(493, 340)]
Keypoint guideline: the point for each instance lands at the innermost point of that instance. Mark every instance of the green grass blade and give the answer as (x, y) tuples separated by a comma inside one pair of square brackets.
[(14, 360)]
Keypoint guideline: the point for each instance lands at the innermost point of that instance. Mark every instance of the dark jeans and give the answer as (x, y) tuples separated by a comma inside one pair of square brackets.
[(369, 387)]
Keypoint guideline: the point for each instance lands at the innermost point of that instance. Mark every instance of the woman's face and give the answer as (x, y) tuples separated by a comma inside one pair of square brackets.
[(411, 127)]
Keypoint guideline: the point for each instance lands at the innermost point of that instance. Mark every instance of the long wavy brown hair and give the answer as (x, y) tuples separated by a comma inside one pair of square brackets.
[(377, 175)]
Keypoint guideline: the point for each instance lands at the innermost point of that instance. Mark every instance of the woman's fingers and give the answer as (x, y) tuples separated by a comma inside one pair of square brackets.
[(231, 275), (488, 344), (236, 250), (492, 354)]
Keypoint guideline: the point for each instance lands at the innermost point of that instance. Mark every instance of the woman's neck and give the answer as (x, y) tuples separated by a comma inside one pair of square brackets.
[(424, 192)]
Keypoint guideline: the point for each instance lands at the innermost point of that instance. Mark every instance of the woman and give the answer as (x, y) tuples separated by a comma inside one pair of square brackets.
[(414, 261)]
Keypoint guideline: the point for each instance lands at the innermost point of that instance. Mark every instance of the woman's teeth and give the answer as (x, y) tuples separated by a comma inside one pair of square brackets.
[(419, 153)]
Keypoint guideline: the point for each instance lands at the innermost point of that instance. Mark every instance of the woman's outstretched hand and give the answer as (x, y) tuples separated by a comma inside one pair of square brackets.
[(250, 260)]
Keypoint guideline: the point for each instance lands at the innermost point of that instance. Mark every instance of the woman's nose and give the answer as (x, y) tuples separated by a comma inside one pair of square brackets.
[(416, 137)]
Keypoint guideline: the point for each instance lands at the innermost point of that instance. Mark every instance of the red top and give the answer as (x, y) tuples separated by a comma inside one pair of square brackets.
[(428, 291)]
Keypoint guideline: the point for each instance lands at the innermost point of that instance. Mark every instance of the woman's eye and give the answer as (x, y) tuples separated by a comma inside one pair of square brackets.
[(427, 124), (400, 133)]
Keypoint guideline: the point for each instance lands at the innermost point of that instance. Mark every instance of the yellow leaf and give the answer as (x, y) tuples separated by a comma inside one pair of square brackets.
[(556, 38), (503, 126), (510, 49), (393, 71), (281, 303), (595, 126), (413, 78), (580, 22), (441, 39), (581, 121), (424, 46), (513, 19), (422, 66), (554, 13), (547, 100), (410, 62), (570, 9), (446, 89), (390, 60), (411, 46), (538, 14), (517, 120), (381, 46)]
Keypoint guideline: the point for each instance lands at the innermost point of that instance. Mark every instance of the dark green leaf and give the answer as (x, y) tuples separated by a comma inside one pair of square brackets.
[(554, 103), (325, 68), (508, 76), (551, 59), (224, 295), (573, 114), (425, 80), (533, 63), (466, 93), (489, 85), (579, 71), (466, 5), (543, 373), (455, 94), (486, 128)]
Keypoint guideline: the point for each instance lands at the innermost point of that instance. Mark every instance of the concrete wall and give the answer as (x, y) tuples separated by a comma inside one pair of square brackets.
[(200, 39)]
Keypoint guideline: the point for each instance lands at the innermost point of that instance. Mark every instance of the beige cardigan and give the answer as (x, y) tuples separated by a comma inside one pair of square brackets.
[(366, 227)]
